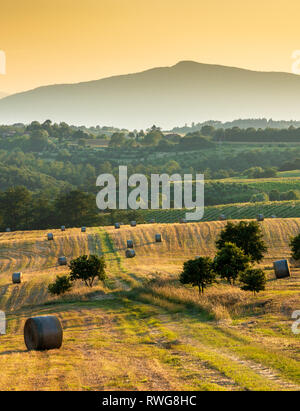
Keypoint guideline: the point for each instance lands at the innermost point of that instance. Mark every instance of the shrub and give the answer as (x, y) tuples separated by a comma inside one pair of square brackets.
[(61, 285), (253, 279), (199, 273), (87, 269)]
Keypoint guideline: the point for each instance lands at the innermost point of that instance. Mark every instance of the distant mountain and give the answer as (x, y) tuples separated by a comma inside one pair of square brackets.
[(3, 94), (165, 96)]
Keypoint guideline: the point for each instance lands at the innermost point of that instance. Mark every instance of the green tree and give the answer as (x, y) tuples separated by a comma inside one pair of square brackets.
[(247, 236), (207, 130), (199, 273), (64, 131), (47, 126), (87, 269), (61, 285), (153, 137), (230, 261), (253, 279), (80, 134), (274, 195), (295, 247), (290, 195), (39, 139), (117, 140), (172, 167)]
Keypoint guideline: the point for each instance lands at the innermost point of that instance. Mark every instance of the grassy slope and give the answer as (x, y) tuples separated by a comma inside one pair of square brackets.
[(134, 334)]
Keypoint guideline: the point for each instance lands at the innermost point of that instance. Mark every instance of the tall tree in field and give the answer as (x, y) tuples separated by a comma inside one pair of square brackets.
[(87, 269), (199, 273), (247, 236)]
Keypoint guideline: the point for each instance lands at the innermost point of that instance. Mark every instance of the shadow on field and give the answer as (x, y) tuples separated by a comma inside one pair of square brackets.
[(13, 352)]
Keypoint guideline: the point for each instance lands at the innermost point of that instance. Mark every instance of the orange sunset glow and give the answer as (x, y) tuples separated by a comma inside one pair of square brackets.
[(67, 41)]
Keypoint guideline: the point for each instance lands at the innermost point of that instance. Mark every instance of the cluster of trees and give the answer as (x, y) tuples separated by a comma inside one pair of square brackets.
[(252, 135), (249, 134), (241, 123), (239, 247), (290, 165), (60, 131), (275, 195), (45, 159), (155, 138), (21, 210), (259, 172)]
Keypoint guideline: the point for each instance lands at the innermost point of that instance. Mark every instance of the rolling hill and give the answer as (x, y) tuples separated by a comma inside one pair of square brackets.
[(141, 329), (166, 96)]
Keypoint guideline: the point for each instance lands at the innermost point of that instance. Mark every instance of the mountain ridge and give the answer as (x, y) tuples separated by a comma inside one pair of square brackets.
[(185, 92)]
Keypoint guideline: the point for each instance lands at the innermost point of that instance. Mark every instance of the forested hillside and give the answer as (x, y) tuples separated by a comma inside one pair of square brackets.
[(42, 165)]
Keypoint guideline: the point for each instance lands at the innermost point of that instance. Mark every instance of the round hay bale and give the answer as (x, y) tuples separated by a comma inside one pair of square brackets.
[(62, 260), (43, 333), (158, 238), (260, 217), (130, 253), (50, 236), (273, 216), (63, 228), (152, 221), (129, 244), (8, 230), (117, 225), (222, 217), (182, 220), (83, 229), (281, 269), (17, 278), (133, 223)]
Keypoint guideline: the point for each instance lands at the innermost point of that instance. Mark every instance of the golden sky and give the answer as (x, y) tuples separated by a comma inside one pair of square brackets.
[(66, 41)]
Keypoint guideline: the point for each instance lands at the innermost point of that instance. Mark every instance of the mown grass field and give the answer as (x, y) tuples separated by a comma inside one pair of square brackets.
[(142, 330)]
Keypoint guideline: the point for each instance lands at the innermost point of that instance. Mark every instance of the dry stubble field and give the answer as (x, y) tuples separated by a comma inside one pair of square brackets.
[(142, 330)]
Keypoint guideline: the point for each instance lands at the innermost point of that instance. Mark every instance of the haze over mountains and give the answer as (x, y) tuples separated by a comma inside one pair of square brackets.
[(2, 94), (165, 96)]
